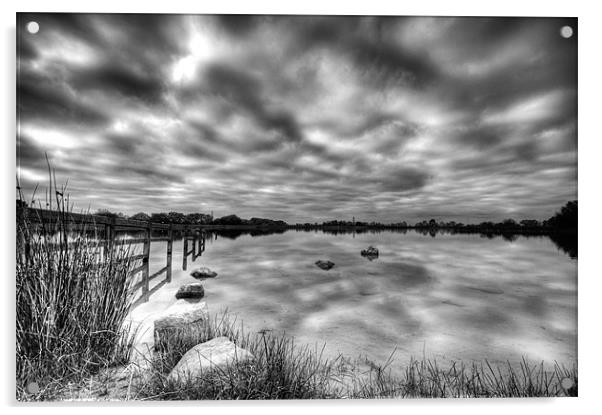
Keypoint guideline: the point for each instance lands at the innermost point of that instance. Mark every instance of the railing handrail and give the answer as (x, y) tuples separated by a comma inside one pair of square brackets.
[(113, 225)]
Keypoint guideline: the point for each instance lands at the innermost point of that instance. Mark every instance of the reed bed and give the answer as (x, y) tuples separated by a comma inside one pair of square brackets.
[(72, 297)]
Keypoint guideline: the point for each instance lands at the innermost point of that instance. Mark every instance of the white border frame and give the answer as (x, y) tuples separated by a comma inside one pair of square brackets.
[(590, 279)]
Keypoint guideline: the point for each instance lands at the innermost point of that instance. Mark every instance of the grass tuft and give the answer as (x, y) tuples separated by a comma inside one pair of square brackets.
[(280, 370)]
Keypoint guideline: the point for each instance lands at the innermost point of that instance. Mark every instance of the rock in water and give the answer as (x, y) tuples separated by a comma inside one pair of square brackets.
[(325, 265), (203, 273), (181, 320), (192, 291), (214, 354), (370, 253)]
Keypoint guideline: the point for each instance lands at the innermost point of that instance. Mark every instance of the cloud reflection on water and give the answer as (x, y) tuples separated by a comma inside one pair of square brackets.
[(452, 297)]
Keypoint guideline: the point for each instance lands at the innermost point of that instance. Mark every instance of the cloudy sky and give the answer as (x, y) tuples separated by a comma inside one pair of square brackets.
[(302, 118)]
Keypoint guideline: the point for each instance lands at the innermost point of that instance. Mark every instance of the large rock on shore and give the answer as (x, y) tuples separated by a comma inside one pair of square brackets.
[(203, 273), (181, 320), (217, 353), (325, 265), (191, 291)]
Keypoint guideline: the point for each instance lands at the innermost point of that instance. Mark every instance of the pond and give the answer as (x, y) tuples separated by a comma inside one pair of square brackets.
[(445, 296)]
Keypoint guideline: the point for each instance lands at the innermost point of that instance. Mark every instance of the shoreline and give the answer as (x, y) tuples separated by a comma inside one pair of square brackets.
[(339, 377)]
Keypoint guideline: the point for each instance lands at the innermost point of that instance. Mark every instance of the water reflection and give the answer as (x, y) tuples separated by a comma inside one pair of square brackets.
[(193, 246), (567, 242), (236, 233), (452, 296)]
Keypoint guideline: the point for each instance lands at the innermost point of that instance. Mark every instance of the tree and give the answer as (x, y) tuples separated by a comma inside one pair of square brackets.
[(228, 220), (567, 218), (176, 217), (509, 223), (141, 216), (530, 223), (107, 213), (197, 218), (159, 218)]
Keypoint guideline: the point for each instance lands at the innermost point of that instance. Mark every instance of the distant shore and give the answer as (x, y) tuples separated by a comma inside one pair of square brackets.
[(565, 239)]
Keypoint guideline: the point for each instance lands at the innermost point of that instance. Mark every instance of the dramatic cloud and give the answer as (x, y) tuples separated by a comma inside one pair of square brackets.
[(302, 118)]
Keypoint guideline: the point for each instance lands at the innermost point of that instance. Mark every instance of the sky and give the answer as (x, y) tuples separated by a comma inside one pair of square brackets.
[(301, 118)]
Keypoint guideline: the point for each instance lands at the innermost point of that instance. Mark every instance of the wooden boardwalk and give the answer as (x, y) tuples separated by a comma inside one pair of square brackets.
[(110, 232)]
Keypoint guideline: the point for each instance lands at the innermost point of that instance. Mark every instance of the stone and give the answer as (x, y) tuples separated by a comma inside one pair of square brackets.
[(325, 265), (191, 291), (181, 313), (179, 321), (370, 253), (214, 354), (203, 273)]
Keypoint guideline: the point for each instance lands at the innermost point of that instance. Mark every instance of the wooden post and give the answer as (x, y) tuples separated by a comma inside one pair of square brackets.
[(185, 250), (110, 238), (146, 263), (169, 253)]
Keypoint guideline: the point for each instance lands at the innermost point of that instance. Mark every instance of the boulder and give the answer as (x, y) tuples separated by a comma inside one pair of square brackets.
[(370, 253), (203, 273), (180, 321), (325, 265), (217, 353), (182, 313), (191, 291)]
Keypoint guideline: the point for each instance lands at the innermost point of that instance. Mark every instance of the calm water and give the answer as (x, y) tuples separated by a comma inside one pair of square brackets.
[(450, 297)]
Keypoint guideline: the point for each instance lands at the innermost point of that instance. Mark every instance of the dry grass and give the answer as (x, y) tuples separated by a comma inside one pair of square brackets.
[(282, 370), (425, 379)]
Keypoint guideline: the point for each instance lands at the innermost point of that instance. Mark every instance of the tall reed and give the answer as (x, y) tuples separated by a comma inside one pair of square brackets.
[(72, 298)]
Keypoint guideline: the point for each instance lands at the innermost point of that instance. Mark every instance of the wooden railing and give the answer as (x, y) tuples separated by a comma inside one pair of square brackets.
[(106, 231)]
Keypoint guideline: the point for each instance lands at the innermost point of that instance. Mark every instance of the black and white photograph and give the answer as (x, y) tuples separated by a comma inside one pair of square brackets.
[(267, 207)]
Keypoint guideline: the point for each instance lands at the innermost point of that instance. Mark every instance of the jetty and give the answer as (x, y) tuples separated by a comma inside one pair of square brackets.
[(111, 233)]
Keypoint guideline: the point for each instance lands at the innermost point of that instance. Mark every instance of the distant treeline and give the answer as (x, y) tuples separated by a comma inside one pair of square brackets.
[(563, 239), (565, 220), (196, 219)]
